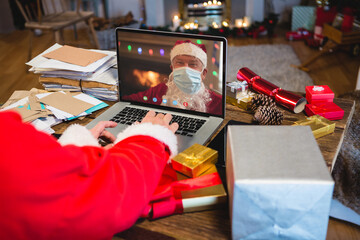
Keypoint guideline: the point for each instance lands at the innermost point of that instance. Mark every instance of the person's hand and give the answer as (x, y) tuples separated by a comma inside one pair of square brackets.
[(100, 131), (160, 119)]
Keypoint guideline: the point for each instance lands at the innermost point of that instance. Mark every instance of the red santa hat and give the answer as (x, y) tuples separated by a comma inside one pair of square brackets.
[(189, 48)]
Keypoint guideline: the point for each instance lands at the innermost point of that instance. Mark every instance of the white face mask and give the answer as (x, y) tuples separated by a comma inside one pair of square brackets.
[(187, 79)]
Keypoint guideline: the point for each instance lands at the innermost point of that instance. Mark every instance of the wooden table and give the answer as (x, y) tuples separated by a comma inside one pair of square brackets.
[(329, 145), (215, 224)]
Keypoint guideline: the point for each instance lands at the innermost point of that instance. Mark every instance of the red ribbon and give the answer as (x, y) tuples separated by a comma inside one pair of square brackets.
[(285, 98), (167, 198)]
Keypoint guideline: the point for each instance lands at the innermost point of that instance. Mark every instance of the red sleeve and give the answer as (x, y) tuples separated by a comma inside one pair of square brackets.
[(56, 192), (215, 106)]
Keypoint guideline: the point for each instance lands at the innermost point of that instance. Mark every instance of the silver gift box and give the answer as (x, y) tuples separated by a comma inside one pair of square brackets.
[(237, 89), (278, 183)]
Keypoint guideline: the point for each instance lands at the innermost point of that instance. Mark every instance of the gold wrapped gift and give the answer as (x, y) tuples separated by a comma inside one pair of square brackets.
[(194, 160), (319, 125), (243, 102)]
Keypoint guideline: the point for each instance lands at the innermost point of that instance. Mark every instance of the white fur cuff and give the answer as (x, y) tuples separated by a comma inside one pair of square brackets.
[(159, 132), (78, 135)]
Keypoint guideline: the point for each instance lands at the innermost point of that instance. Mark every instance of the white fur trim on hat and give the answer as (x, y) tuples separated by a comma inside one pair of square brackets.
[(78, 135), (159, 132), (189, 49)]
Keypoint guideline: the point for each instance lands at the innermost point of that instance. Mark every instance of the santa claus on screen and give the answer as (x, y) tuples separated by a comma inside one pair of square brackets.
[(185, 87)]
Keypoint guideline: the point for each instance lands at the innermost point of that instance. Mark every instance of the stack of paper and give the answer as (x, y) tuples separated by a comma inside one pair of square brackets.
[(74, 69), (45, 109)]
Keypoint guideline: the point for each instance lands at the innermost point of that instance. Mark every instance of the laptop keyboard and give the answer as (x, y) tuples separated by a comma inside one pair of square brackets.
[(187, 126)]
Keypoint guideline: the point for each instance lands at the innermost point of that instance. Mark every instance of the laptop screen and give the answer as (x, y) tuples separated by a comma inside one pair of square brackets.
[(176, 71)]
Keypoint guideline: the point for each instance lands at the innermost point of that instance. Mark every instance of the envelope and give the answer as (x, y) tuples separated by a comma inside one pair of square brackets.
[(74, 55), (66, 103), (16, 96), (278, 183)]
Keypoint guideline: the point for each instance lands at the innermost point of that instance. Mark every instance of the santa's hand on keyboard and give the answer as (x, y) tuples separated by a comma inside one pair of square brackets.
[(161, 119)]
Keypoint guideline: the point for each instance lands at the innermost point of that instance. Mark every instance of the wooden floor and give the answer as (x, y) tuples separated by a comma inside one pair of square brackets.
[(14, 54), (338, 70)]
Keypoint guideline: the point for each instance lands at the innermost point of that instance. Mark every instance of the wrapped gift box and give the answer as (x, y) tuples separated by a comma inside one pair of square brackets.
[(236, 89), (319, 125), (243, 102), (328, 110), (278, 184), (177, 193), (321, 93), (203, 198), (194, 160), (303, 17)]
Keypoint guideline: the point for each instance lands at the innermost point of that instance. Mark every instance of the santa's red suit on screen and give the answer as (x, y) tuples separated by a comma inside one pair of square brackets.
[(185, 86), (73, 188)]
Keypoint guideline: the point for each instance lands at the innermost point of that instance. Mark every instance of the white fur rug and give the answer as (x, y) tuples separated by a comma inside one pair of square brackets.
[(271, 62)]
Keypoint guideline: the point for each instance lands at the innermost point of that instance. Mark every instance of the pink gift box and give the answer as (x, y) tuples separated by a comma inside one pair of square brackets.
[(328, 110), (321, 93)]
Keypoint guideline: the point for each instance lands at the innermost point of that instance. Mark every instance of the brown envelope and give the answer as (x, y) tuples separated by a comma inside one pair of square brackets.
[(35, 116), (66, 103), (34, 103), (73, 55), (25, 113), (16, 96)]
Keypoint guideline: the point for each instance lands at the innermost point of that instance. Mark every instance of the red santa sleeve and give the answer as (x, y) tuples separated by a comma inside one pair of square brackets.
[(215, 105), (124, 177), (71, 192)]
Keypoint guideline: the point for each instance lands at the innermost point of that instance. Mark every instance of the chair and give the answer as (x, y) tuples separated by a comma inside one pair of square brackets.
[(95, 4), (53, 17)]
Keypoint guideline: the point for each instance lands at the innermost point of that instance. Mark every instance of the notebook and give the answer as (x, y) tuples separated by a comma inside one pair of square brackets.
[(170, 72)]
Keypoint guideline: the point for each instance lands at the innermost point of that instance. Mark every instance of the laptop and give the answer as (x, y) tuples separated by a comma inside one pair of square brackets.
[(143, 62)]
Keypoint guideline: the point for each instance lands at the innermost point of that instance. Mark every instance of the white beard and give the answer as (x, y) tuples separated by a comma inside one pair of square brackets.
[(196, 101)]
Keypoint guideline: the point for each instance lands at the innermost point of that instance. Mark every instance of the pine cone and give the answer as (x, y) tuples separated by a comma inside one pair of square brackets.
[(267, 115), (261, 100)]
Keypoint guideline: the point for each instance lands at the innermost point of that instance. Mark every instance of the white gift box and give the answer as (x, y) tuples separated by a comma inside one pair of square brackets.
[(237, 89), (278, 183)]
